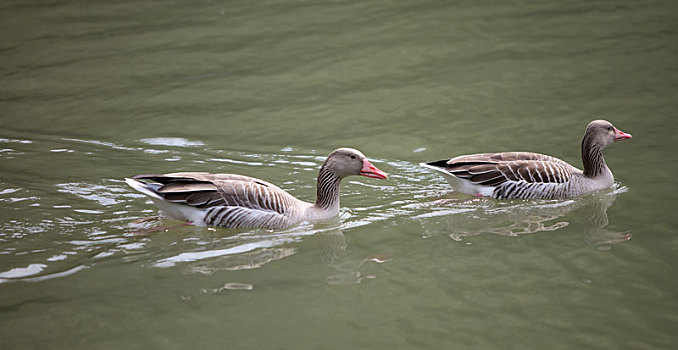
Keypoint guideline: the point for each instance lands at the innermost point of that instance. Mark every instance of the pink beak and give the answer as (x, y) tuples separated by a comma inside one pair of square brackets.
[(370, 170), (620, 135)]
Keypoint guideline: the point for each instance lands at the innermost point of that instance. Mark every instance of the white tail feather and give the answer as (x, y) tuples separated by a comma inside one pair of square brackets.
[(173, 210), (462, 185), (143, 188)]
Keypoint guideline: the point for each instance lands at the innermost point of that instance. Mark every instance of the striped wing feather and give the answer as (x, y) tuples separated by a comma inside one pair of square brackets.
[(204, 190), (203, 177), (494, 169)]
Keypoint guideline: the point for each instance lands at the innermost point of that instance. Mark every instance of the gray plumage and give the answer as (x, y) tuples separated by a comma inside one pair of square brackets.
[(532, 175), (237, 201)]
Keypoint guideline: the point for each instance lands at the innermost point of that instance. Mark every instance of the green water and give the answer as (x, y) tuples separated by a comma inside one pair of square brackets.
[(92, 92)]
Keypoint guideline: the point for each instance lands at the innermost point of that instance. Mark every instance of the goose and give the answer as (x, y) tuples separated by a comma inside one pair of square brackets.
[(527, 175), (238, 201)]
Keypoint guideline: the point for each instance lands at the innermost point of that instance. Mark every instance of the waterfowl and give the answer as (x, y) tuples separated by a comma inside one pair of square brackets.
[(528, 175), (238, 201)]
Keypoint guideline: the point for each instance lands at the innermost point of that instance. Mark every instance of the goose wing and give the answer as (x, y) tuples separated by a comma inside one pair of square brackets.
[(494, 169), (204, 190), (228, 200)]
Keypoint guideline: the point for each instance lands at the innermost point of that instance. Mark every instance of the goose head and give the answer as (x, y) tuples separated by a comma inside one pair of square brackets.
[(348, 161), (603, 133)]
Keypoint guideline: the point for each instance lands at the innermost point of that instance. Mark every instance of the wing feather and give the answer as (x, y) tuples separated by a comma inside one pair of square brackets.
[(494, 169), (205, 190)]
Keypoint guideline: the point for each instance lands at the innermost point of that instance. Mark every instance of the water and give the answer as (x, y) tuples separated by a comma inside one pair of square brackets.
[(93, 92)]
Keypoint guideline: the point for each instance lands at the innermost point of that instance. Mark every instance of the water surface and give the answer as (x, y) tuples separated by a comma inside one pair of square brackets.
[(94, 92)]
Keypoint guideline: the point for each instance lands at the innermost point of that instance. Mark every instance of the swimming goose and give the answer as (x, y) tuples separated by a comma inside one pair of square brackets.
[(232, 201), (533, 175)]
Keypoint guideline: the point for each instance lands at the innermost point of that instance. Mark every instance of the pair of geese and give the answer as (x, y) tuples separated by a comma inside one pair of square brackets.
[(237, 201)]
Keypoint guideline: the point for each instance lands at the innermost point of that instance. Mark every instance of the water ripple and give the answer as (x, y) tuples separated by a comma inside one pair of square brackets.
[(171, 141), (97, 221)]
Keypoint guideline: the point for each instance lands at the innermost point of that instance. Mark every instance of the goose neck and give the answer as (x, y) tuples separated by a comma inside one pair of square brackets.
[(592, 157), (327, 189)]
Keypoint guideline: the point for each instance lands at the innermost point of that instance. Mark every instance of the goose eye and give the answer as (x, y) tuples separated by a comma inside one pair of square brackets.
[(353, 157), (609, 128)]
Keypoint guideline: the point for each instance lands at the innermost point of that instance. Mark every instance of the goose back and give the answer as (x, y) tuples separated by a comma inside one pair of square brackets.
[(509, 174), (227, 200)]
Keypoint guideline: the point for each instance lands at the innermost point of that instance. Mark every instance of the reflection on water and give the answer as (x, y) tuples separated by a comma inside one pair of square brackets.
[(250, 251), (461, 218), (228, 286), (597, 231), (243, 261)]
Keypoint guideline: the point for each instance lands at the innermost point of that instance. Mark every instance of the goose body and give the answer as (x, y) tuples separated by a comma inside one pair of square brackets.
[(231, 200), (528, 175)]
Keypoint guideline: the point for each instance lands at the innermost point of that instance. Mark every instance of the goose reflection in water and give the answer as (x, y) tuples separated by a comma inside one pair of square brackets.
[(243, 261), (233, 249), (332, 242), (244, 250), (465, 218), (348, 266)]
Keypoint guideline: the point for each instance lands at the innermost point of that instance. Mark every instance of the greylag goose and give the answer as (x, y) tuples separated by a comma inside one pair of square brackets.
[(233, 201), (529, 175)]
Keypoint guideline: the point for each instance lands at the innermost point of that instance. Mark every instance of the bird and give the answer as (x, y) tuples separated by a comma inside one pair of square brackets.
[(238, 201), (527, 175)]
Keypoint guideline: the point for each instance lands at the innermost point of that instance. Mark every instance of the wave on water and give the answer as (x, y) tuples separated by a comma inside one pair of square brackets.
[(92, 222)]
